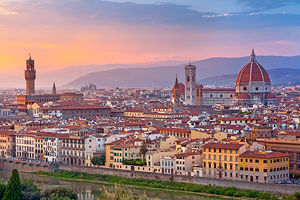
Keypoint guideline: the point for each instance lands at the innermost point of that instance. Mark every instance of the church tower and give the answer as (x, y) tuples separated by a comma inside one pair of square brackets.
[(54, 89), (175, 94), (190, 84), (30, 75)]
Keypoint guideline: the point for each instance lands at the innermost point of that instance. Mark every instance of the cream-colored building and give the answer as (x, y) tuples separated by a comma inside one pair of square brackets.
[(25, 146)]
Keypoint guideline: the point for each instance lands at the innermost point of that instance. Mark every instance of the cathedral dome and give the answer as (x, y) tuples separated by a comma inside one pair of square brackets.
[(252, 72)]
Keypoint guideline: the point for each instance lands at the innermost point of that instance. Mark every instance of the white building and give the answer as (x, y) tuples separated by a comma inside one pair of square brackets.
[(52, 147)]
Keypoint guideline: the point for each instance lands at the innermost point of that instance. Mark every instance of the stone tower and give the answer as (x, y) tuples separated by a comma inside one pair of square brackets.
[(30, 75), (175, 94), (190, 84), (54, 89)]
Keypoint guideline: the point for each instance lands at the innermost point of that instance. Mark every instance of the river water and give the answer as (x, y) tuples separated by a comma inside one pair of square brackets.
[(92, 191)]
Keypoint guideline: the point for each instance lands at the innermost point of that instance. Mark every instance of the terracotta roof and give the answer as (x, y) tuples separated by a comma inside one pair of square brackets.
[(252, 72), (222, 145), (265, 155), (243, 96)]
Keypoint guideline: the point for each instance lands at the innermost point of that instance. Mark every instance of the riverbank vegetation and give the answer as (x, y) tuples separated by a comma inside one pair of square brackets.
[(170, 185), (17, 189), (121, 193)]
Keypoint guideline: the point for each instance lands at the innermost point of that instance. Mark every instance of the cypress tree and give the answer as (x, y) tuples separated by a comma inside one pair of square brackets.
[(13, 189)]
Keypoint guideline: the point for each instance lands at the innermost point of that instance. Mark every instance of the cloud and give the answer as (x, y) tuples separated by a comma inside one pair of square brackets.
[(7, 12), (267, 4)]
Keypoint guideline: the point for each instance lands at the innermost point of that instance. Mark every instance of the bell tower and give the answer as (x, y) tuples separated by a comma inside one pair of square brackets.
[(190, 84), (30, 75)]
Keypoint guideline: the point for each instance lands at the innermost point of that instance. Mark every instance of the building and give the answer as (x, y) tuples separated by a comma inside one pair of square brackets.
[(292, 148), (184, 162), (94, 144), (167, 165), (25, 146), (221, 160), (262, 131), (71, 97), (125, 152), (263, 166), (52, 144), (73, 152), (39, 148), (7, 143), (253, 85), (84, 111), (178, 94), (30, 75)]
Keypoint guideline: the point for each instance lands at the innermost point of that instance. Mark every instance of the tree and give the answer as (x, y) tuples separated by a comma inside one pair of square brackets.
[(98, 160), (59, 193), (2, 190), (143, 150), (13, 189), (121, 193), (30, 190)]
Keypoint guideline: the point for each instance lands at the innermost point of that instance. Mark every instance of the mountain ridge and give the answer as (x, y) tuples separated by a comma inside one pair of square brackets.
[(165, 76)]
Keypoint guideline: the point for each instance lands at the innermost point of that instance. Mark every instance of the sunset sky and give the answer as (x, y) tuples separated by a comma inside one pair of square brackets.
[(61, 33)]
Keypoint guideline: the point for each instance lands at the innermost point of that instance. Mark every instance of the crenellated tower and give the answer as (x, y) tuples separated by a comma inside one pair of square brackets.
[(30, 75)]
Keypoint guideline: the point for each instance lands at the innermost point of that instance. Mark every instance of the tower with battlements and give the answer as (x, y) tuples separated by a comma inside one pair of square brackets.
[(30, 75)]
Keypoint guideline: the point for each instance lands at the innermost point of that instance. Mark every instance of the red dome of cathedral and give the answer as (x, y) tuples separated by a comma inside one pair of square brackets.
[(252, 72)]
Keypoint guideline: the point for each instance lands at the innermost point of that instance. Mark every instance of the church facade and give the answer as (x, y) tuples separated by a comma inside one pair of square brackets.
[(253, 86)]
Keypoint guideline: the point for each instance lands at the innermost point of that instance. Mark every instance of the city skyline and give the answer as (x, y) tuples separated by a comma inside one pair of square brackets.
[(72, 33)]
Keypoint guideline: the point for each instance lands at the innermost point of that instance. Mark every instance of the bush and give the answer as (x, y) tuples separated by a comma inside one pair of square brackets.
[(136, 162), (98, 160), (59, 193), (297, 195), (30, 191)]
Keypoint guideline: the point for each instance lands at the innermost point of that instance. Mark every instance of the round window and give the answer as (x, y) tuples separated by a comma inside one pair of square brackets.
[(256, 88), (244, 88)]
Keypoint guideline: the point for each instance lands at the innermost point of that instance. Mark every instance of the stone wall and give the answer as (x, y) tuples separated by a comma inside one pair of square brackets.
[(28, 167), (273, 188), (9, 165)]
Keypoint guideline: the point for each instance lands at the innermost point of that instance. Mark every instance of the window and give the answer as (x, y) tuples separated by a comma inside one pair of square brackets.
[(256, 161), (265, 161), (265, 170)]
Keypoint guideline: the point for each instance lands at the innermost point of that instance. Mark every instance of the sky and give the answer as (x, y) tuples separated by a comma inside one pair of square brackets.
[(61, 33)]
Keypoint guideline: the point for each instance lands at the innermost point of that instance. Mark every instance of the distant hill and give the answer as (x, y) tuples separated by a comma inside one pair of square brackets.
[(280, 69), (279, 76)]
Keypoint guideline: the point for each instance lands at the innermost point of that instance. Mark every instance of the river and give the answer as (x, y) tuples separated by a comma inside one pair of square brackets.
[(92, 191)]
